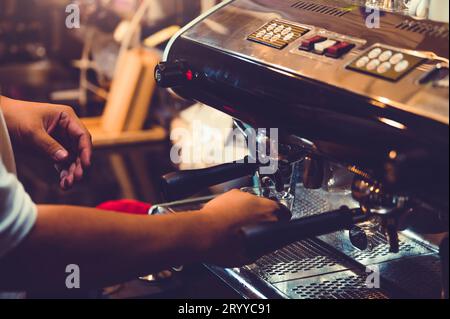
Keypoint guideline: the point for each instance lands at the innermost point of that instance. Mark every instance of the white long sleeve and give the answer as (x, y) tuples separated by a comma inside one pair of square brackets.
[(17, 211)]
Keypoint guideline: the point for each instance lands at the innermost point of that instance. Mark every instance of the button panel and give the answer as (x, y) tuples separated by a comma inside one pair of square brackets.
[(320, 48), (386, 63), (326, 46), (308, 44), (277, 34), (339, 49)]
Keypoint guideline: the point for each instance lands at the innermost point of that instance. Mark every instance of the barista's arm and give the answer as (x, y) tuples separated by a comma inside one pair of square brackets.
[(113, 248)]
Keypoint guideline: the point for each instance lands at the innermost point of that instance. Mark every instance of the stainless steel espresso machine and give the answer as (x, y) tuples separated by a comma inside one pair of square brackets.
[(360, 98)]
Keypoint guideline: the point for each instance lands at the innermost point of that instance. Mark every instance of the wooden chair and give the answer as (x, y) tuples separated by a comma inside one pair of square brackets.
[(126, 110), (128, 103), (129, 98)]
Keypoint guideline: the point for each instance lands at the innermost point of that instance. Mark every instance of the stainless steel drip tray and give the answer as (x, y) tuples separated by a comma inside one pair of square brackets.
[(313, 269), (340, 285), (300, 260), (380, 253), (329, 266)]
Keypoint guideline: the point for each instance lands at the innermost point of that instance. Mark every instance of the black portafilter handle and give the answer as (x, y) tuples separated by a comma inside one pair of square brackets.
[(182, 184), (268, 237)]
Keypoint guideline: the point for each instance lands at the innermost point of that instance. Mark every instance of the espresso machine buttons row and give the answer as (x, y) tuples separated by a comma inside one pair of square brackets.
[(386, 63), (309, 44), (277, 34), (323, 45)]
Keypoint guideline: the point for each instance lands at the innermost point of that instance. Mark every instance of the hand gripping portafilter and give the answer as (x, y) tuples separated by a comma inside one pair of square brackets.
[(266, 237)]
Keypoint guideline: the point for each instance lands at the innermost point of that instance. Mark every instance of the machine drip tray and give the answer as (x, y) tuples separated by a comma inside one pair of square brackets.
[(330, 267), (340, 285)]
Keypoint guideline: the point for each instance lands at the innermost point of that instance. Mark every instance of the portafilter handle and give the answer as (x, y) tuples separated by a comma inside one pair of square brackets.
[(182, 184), (268, 237)]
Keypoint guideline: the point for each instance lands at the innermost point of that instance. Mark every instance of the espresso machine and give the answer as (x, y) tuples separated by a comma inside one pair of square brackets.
[(361, 108)]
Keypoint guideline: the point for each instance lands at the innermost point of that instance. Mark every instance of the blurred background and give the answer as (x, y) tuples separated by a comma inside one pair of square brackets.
[(41, 59)]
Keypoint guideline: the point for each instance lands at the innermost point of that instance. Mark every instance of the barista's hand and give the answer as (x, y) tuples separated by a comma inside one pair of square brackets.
[(55, 130), (227, 215)]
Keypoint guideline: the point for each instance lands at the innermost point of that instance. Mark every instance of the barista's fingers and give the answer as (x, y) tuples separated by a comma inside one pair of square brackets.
[(64, 173), (278, 210), (283, 213), (78, 172), (64, 183), (68, 181)]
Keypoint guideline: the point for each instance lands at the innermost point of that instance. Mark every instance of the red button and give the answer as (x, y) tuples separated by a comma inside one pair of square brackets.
[(308, 44), (339, 49), (189, 75)]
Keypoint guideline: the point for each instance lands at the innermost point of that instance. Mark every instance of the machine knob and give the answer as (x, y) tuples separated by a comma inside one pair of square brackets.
[(314, 172), (173, 74)]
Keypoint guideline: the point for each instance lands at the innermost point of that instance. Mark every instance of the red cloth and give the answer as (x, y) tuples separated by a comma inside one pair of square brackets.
[(126, 206)]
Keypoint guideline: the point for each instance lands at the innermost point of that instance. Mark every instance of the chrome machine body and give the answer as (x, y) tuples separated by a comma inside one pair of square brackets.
[(353, 102)]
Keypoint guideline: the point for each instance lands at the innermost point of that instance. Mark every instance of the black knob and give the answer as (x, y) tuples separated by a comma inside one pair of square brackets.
[(173, 74), (314, 172)]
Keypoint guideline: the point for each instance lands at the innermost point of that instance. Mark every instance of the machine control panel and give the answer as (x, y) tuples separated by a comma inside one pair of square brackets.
[(277, 34), (386, 63), (323, 45), (338, 51)]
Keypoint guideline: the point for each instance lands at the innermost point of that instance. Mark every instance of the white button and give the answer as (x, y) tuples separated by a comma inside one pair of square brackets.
[(275, 38), (362, 62), (289, 36), (373, 65), (322, 46), (396, 58), (272, 26), (286, 31), (402, 66), (261, 33), (375, 53), (386, 55), (279, 29), (268, 36), (383, 68)]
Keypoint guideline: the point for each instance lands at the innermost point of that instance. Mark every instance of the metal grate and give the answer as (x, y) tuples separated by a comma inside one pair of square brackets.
[(317, 268), (308, 269), (381, 249), (381, 253), (320, 8), (342, 285), (422, 27), (299, 260), (308, 203)]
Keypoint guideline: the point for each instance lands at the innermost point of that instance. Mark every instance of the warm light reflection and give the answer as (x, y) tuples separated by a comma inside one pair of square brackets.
[(393, 155), (392, 123), (384, 100), (379, 103)]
